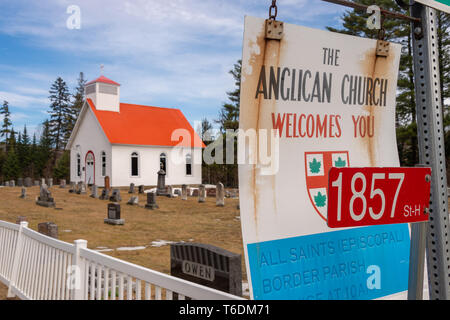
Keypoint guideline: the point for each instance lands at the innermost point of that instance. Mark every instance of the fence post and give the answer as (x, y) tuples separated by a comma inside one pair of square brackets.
[(16, 258), (77, 284)]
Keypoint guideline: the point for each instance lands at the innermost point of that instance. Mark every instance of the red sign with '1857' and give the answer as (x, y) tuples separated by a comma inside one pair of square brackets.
[(372, 196)]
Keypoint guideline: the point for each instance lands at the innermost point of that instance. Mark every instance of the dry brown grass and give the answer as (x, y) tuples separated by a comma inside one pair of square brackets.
[(176, 220)]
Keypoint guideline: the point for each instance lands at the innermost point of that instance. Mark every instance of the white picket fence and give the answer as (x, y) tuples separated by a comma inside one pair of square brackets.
[(37, 267)]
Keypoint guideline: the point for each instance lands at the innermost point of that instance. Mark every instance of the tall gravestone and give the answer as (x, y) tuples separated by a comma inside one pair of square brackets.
[(201, 193), (184, 192), (161, 186), (107, 183), (141, 188), (131, 190), (20, 182), (94, 191), (50, 182), (151, 201), (207, 265), (220, 195), (170, 191), (23, 194)]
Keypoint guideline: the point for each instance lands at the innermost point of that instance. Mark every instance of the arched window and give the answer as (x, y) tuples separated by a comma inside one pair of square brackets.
[(103, 163), (163, 161), (134, 164), (78, 165), (188, 164)]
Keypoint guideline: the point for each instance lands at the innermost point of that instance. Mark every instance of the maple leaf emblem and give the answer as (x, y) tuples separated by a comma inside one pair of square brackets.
[(339, 163), (320, 199), (314, 166)]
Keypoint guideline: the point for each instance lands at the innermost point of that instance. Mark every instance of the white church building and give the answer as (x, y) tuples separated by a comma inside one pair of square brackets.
[(129, 143)]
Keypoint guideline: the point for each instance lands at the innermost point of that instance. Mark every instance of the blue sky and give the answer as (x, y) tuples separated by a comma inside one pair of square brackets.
[(171, 53)]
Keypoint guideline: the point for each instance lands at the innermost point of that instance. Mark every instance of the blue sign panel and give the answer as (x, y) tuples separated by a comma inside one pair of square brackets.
[(352, 264)]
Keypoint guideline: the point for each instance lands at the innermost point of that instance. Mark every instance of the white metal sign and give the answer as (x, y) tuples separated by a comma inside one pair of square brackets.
[(311, 101), (441, 5)]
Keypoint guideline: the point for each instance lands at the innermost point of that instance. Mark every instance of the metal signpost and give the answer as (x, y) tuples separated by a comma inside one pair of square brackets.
[(431, 146)]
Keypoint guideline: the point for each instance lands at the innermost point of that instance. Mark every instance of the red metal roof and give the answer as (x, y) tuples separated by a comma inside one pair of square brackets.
[(104, 80), (145, 125)]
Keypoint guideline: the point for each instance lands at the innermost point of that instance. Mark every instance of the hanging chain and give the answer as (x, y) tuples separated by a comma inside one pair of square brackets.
[(273, 16)]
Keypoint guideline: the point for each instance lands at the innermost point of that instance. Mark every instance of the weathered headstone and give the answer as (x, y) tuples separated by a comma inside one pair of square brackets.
[(107, 183), (220, 195), (105, 194), (194, 192), (45, 197), (115, 196), (73, 187), (28, 182), (42, 181), (131, 190), (23, 194), (21, 219), (81, 188), (211, 192), (50, 182), (49, 229), (20, 182), (134, 200), (207, 265), (184, 192), (94, 190), (36, 183), (161, 186), (62, 183), (201, 193), (12, 183), (114, 214), (6, 183), (151, 201), (141, 188), (170, 192)]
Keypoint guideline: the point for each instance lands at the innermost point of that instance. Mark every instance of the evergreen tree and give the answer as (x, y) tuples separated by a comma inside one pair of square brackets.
[(34, 157), (23, 151), (59, 113), (62, 168), (44, 149), (5, 129), (11, 167), (75, 106)]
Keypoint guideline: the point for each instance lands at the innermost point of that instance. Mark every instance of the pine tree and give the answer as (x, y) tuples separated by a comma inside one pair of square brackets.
[(34, 157), (44, 149), (23, 151), (75, 106), (59, 113), (5, 129), (11, 167), (62, 168)]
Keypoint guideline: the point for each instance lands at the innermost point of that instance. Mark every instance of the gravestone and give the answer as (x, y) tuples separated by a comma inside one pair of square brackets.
[(170, 192), (6, 183), (50, 182), (134, 200), (62, 183), (20, 182), (141, 188), (73, 187), (113, 216), (131, 190), (161, 186), (36, 183), (28, 182), (81, 188), (201, 193), (220, 195), (94, 193), (107, 183), (151, 201), (42, 182), (184, 192), (49, 229), (194, 192), (115, 196), (211, 192), (12, 183), (104, 195), (21, 219), (45, 197), (207, 265), (23, 194)]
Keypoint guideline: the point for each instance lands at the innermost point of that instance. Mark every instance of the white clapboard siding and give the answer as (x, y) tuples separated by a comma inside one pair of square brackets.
[(37, 267)]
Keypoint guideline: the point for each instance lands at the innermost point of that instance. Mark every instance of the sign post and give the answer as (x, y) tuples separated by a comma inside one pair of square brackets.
[(312, 100), (431, 144)]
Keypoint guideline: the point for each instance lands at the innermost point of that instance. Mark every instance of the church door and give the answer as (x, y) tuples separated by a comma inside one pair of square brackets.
[(90, 168)]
